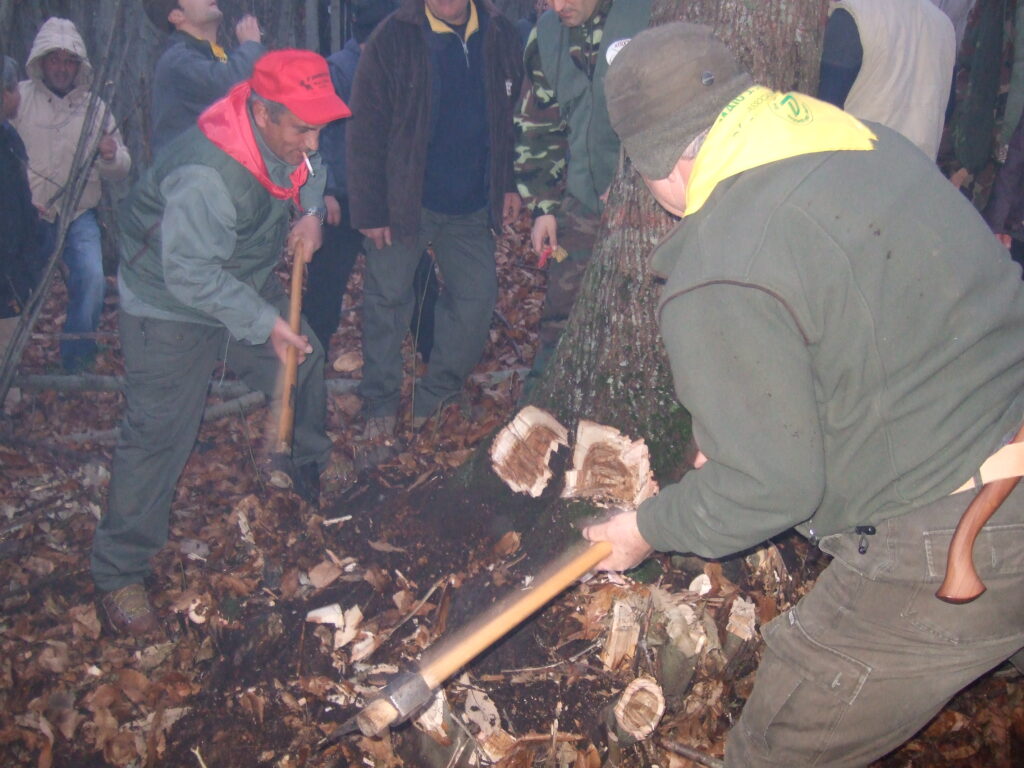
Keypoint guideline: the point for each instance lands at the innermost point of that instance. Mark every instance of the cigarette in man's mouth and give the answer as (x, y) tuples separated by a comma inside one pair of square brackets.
[(309, 165)]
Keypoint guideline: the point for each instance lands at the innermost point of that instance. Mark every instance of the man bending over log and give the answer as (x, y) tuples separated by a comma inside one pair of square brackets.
[(849, 339)]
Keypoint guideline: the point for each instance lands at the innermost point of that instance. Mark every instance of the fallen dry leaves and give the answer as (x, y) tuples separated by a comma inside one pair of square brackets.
[(242, 677)]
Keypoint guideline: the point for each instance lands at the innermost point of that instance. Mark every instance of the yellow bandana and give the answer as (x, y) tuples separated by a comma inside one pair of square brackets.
[(219, 53), (761, 126)]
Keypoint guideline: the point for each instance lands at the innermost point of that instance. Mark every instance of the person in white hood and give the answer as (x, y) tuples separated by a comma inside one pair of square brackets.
[(50, 121)]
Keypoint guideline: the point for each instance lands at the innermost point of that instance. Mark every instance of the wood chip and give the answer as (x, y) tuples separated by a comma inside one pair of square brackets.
[(742, 619), (623, 635)]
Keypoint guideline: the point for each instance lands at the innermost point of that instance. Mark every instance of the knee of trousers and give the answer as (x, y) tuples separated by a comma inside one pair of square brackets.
[(803, 692)]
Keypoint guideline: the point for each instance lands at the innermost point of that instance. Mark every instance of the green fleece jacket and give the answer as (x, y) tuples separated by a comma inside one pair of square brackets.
[(849, 339)]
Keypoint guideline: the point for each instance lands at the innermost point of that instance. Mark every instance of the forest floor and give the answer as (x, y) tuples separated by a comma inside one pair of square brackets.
[(242, 679)]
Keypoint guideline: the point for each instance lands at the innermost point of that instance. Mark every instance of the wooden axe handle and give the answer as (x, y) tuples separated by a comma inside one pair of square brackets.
[(506, 615), (455, 653), (962, 583), (286, 419)]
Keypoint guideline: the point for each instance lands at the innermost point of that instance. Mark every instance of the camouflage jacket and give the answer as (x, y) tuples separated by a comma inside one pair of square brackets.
[(541, 130)]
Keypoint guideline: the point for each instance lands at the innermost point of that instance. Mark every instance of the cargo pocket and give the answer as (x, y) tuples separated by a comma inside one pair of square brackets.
[(803, 690), (998, 613)]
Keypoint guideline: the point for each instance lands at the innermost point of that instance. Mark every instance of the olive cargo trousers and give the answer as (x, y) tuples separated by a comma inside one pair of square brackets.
[(870, 655), (167, 373)]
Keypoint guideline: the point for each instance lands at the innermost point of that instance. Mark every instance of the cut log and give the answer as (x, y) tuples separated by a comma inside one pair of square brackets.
[(627, 616), (522, 450), (639, 708), (609, 468)]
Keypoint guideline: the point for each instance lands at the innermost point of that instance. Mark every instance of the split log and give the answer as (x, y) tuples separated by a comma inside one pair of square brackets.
[(627, 617), (609, 467), (91, 382), (522, 450)]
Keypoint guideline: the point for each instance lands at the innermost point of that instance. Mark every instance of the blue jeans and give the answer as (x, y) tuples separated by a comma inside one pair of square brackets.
[(83, 258)]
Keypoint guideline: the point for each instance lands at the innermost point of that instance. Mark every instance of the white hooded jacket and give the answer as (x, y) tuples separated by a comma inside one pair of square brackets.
[(50, 125)]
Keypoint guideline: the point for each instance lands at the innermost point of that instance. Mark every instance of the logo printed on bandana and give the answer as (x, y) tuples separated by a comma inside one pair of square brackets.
[(614, 48), (790, 108)]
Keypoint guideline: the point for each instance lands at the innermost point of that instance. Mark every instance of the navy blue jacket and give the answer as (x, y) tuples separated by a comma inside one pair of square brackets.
[(342, 66), (189, 78)]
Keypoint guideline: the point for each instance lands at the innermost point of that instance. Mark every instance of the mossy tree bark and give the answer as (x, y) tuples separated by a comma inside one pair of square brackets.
[(610, 366)]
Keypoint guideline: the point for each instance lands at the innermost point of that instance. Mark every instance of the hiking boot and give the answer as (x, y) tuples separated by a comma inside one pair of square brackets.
[(379, 428), (460, 400), (129, 611), (306, 482)]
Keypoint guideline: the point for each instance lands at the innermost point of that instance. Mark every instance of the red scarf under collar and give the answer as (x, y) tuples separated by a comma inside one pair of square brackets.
[(226, 124)]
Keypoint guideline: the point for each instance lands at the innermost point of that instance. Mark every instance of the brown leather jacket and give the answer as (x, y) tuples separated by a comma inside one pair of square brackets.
[(389, 129)]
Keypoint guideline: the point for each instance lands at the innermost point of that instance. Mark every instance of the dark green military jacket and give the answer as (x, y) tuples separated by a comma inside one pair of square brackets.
[(565, 141), (849, 339)]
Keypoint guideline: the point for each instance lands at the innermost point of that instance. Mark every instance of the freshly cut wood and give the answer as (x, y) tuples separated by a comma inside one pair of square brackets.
[(640, 707), (743, 619), (624, 632), (682, 625), (608, 467), (521, 451)]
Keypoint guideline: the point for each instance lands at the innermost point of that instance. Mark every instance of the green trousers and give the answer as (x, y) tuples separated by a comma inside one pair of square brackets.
[(167, 375), (870, 655), (464, 249)]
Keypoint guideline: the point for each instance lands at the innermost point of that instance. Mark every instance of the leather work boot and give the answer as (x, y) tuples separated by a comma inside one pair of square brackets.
[(306, 483), (129, 611), (378, 443)]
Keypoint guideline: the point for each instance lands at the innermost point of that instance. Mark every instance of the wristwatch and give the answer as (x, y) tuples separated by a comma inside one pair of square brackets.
[(320, 212)]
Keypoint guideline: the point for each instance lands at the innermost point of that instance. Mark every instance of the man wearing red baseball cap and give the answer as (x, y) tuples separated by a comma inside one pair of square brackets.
[(201, 234)]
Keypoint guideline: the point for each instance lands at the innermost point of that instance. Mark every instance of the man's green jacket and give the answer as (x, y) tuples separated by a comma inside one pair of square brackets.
[(849, 339)]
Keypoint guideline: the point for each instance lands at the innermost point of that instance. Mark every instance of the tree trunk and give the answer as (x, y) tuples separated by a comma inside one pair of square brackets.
[(610, 366)]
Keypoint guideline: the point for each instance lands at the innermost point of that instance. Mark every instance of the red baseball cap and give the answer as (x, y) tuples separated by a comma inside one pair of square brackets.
[(299, 79)]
